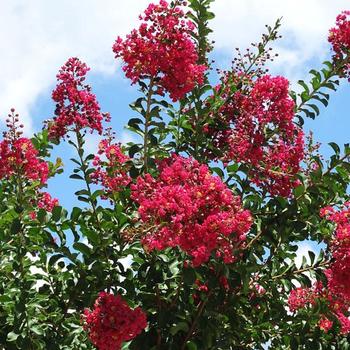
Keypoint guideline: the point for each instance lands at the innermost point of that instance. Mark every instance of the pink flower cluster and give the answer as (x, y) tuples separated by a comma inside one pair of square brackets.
[(325, 324), (111, 172), (303, 297), (338, 308), (188, 207), (339, 37), (337, 291), (76, 105), (338, 274), (255, 126), (300, 297), (46, 202), (20, 160), (162, 50), (113, 322), (18, 157)]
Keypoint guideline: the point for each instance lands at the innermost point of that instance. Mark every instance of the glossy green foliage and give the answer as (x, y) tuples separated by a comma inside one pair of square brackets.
[(46, 283)]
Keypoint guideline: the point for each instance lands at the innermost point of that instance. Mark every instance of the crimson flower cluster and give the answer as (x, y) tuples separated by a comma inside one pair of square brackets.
[(188, 207), (162, 50), (337, 290), (303, 297), (47, 202), (113, 322), (76, 105), (300, 297), (255, 126), (110, 172), (338, 274), (19, 157), (339, 37), (44, 201)]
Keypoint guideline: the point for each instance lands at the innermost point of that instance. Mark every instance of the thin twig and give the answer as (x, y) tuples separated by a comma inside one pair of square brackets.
[(202, 305), (297, 272)]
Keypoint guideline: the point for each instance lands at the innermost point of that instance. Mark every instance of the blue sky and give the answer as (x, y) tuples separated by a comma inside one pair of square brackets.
[(38, 36)]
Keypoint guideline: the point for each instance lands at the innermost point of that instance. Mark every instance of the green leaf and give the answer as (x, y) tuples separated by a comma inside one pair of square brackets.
[(181, 326), (82, 248), (191, 345), (56, 213), (90, 234), (37, 330), (189, 276), (304, 85), (335, 147), (12, 336), (16, 226), (76, 177), (75, 213)]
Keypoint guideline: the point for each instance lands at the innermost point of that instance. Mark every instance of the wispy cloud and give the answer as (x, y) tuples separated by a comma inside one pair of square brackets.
[(38, 36), (305, 26)]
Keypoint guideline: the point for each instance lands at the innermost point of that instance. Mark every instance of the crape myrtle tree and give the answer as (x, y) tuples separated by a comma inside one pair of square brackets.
[(186, 239)]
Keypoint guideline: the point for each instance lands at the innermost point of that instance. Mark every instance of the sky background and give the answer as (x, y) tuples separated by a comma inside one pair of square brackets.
[(38, 36)]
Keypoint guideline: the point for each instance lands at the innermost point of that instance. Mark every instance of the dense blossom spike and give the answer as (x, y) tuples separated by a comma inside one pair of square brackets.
[(112, 322), (339, 37), (18, 157), (255, 127), (337, 291), (21, 159), (76, 105), (191, 209), (110, 172), (338, 274), (162, 50)]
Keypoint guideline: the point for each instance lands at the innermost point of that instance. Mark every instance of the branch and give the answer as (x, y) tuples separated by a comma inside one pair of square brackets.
[(253, 240), (305, 269), (147, 121), (200, 310)]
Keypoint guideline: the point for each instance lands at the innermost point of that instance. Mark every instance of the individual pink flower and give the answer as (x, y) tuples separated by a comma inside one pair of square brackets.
[(325, 324), (224, 283), (162, 50), (192, 209), (32, 215), (112, 322)]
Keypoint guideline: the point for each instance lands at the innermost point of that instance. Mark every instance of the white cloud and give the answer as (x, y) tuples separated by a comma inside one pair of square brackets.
[(38, 36), (305, 26)]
